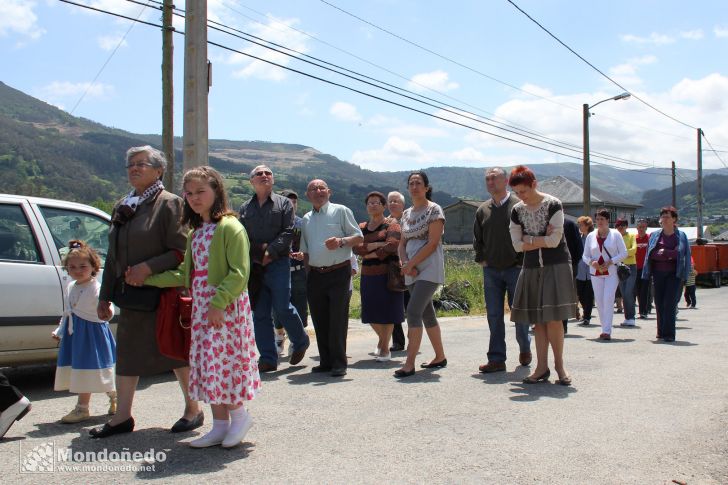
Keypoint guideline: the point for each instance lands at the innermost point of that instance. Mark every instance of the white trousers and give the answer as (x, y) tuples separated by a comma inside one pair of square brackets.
[(604, 289)]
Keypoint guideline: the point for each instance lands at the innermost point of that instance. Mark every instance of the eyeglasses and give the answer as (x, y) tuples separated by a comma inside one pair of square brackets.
[(129, 166), (374, 202), (260, 173)]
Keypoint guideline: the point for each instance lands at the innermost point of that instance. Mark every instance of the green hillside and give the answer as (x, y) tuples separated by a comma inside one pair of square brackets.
[(47, 152)]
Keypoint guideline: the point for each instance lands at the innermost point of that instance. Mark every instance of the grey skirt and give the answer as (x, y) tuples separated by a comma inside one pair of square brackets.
[(137, 353), (544, 294)]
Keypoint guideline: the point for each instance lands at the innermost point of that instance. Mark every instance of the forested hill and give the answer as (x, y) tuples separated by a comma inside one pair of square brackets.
[(47, 152), (715, 195)]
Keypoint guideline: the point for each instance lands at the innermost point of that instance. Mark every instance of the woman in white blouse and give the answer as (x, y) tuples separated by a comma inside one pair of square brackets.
[(603, 249)]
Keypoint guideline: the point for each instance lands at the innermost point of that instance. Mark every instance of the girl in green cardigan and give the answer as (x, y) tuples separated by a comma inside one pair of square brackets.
[(216, 266)]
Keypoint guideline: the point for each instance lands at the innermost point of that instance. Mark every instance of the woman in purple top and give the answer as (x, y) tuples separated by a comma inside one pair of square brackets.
[(668, 262)]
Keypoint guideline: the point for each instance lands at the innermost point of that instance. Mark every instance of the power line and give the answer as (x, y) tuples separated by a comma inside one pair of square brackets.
[(637, 125), (121, 41), (441, 56), (333, 83), (343, 86), (594, 67), (713, 149), (549, 141)]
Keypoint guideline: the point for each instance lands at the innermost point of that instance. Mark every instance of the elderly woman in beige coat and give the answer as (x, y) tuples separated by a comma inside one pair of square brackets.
[(146, 237)]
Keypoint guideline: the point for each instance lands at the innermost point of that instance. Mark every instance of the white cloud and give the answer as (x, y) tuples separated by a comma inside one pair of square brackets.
[(274, 31), (709, 93), (17, 16), (345, 112), (626, 129), (696, 34), (627, 73), (720, 31), (653, 38), (395, 153), (435, 80), (396, 127), (109, 42), (64, 89)]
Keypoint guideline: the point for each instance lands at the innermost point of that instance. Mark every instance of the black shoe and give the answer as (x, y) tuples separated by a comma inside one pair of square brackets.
[(107, 430), (338, 372), (321, 368), (533, 380), (584, 323), (396, 348), (184, 424), (433, 365), (403, 373)]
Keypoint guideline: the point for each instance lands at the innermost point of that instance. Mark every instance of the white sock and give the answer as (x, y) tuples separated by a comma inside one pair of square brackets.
[(219, 429), (238, 418)]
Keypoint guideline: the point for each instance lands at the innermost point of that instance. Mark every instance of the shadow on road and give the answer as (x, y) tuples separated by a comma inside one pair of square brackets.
[(534, 392), (502, 377), (676, 343), (612, 340), (371, 364)]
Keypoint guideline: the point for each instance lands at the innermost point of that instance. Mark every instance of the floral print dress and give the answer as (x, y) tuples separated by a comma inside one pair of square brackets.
[(224, 361)]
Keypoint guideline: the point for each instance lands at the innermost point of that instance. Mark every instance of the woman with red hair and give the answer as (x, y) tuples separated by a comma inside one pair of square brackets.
[(545, 293)]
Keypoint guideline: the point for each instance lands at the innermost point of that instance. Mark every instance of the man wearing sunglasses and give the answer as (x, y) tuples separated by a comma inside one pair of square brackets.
[(268, 219)]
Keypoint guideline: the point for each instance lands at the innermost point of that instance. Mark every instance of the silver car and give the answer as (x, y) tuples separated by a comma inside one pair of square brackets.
[(34, 234)]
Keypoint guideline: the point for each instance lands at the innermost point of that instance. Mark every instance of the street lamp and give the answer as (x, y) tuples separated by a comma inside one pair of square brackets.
[(587, 176)]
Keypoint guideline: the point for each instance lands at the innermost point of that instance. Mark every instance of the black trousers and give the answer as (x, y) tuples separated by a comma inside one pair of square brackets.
[(398, 334), (643, 290), (328, 302), (9, 394), (690, 295), (586, 297)]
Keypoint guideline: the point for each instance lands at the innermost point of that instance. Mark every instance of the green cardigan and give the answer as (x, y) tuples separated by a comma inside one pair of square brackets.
[(228, 267)]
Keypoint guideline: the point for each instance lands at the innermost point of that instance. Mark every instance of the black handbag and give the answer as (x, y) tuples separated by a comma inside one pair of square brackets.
[(395, 278), (623, 271), (135, 298)]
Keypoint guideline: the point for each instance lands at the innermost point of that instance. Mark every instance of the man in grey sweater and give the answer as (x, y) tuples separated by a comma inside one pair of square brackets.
[(501, 266)]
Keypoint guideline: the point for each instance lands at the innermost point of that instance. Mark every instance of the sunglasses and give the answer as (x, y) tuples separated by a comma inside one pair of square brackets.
[(260, 173)]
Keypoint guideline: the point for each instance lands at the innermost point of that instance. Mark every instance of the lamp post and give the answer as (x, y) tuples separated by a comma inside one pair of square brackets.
[(587, 175)]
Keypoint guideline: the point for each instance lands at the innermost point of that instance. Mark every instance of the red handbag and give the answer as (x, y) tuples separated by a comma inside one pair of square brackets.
[(174, 318)]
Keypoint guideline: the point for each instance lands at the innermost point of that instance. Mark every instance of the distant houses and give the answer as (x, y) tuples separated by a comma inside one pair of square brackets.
[(461, 214)]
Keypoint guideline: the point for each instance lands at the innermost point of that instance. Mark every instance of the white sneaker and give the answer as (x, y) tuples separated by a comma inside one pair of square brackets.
[(376, 352), (15, 412), (234, 437), (384, 357), (628, 323), (280, 340), (205, 442)]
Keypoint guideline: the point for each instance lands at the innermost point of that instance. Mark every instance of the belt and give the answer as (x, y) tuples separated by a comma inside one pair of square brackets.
[(296, 268), (329, 269)]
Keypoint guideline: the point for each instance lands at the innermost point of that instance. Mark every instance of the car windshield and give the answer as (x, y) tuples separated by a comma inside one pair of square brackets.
[(68, 224)]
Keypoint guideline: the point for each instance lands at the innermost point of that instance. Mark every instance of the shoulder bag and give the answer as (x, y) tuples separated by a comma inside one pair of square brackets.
[(623, 271)]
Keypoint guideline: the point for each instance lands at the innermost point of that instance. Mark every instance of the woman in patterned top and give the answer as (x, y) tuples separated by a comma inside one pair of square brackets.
[(380, 307), (423, 266), (545, 293)]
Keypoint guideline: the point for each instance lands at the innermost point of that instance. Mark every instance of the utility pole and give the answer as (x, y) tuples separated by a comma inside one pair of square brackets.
[(674, 195), (168, 93), (196, 85), (700, 183), (586, 183)]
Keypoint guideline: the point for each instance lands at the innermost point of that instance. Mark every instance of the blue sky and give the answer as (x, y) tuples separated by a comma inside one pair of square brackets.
[(669, 53)]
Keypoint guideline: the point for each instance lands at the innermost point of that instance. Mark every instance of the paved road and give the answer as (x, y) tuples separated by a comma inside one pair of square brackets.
[(639, 412)]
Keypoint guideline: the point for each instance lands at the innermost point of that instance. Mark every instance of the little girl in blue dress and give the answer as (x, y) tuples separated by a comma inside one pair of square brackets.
[(87, 354)]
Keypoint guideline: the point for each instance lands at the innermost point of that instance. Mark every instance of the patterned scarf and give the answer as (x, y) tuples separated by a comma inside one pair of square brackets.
[(128, 207), (134, 201)]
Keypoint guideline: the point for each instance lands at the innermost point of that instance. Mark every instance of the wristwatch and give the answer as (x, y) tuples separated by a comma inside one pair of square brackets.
[(341, 242)]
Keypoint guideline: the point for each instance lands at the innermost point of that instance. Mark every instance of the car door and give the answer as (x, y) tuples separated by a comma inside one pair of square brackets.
[(31, 299)]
